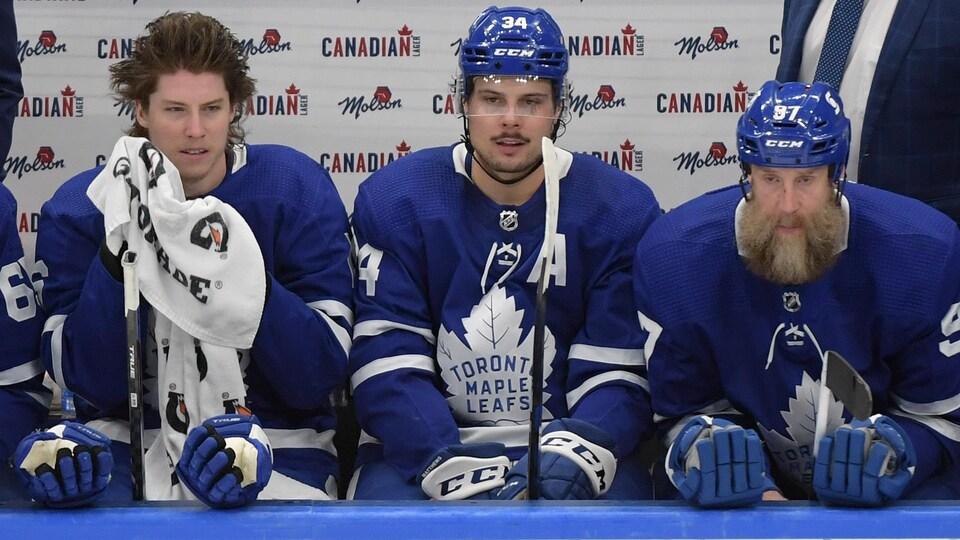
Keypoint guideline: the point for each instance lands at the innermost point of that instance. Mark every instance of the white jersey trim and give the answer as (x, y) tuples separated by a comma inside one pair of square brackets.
[(375, 327), (943, 406), (607, 355), (577, 393), (941, 426), (302, 438), (55, 325), (339, 332), (23, 372), (391, 363), (510, 436), (333, 308), (717, 407)]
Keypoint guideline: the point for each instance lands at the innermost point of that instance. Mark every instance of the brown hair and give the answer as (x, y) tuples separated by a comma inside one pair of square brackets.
[(192, 41)]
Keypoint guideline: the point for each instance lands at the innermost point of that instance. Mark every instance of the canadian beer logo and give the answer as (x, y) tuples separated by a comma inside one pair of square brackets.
[(626, 158), (360, 161), (718, 40), (381, 100), (65, 105), (292, 102), (46, 44), (44, 160), (705, 102), (115, 48), (270, 42), (605, 98), (403, 43), (625, 43), (715, 156)]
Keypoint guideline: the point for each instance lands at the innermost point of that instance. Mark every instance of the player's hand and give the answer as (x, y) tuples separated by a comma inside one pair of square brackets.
[(864, 463), (68, 465), (716, 463), (576, 463), (465, 471), (226, 461)]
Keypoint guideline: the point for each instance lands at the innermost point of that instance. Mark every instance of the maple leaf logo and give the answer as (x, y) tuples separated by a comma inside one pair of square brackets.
[(793, 454), (488, 377)]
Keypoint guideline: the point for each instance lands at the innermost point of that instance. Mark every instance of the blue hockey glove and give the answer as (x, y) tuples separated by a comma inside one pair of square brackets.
[(465, 471), (226, 461), (576, 463), (864, 463), (68, 465), (716, 463)]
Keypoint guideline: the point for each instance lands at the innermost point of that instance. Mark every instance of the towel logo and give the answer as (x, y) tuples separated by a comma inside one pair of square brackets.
[(211, 231)]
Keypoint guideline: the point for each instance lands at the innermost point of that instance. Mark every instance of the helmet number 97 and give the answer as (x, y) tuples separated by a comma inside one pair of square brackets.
[(780, 112), (509, 22)]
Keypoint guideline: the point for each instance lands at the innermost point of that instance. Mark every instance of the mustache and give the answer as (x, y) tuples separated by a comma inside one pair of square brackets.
[(516, 136)]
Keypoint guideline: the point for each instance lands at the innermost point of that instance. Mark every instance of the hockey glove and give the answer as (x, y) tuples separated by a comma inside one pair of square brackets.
[(577, 463), (465, 471), (716, 463), (68, 465), (864, 463), (226, 461)]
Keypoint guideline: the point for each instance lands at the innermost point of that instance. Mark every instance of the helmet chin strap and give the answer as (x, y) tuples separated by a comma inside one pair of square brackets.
[(465, 139)]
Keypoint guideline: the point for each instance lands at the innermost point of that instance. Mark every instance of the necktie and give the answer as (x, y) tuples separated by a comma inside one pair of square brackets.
[(836, 45)]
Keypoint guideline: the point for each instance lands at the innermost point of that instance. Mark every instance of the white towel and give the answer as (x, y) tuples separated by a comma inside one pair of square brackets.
[(201, 270)]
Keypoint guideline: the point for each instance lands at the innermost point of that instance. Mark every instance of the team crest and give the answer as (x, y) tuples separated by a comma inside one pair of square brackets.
[(791, 301), (508, 220)]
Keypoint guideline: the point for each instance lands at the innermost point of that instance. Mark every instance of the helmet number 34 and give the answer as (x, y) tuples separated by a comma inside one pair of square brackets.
[(510, 22)]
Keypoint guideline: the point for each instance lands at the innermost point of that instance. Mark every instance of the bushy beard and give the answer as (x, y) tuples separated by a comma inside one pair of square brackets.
[(794, 259)]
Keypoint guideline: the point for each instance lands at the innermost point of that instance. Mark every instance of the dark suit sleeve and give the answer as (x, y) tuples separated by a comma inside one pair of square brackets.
[(10, 88)]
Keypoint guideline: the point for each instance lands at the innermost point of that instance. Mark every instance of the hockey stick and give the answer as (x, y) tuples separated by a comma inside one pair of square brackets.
[(131, 304), (551, 187), (848, 387)]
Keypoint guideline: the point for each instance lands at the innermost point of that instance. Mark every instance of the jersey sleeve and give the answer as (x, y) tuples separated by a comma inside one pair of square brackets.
[(84, 335), (23, 400), (925, 379), (607, 378), (392, 369), (303, 341)]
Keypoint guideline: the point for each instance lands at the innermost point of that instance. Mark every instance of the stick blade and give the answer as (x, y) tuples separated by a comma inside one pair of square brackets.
[(848, 386)]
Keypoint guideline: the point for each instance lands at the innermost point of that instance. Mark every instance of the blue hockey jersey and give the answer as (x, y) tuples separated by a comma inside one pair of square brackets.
[(300, 351), (445, 301), (23, 399), (721, 340)]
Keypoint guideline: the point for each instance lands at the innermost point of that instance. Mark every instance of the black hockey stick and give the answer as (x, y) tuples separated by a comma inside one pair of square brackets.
[(131, 304), (848, 388), (536, 387)]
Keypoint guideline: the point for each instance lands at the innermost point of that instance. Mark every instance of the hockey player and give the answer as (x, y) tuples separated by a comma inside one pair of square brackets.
[(189, 83), (741, 292), (449, 243), (23, 400)]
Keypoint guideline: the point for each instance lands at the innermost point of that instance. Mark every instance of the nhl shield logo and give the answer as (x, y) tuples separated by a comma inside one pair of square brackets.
[(508, 220), (791, 301)]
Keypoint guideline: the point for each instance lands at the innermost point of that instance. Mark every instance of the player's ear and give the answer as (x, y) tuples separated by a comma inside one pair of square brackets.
[(141, 114)]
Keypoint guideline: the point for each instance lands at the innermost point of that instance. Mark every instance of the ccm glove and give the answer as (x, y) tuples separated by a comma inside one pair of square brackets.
[(864, 463), (68, 465), (716, 463), (465, 471), (226, 461), (577, 463)]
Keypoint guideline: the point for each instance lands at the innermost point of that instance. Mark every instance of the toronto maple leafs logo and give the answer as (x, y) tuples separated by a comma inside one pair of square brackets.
[(793, 453), (488, 377)]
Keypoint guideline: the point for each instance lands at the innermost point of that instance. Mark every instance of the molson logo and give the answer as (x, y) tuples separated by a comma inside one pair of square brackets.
[(67, 105), (703, 102), (115, 48), (271, 42), (290, 103), (719, 40), (361, 162), (405, 43), (46, 44), (45, 160), (625, 158), (626, 43), (716, 156), (382, 100), (606, 98)]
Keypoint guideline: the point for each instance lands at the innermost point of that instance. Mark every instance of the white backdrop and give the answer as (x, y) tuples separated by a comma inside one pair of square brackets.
[(658, 84)]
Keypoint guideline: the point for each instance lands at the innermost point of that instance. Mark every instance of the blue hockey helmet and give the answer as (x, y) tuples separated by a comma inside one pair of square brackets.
[(514, 41), (795, 125)]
